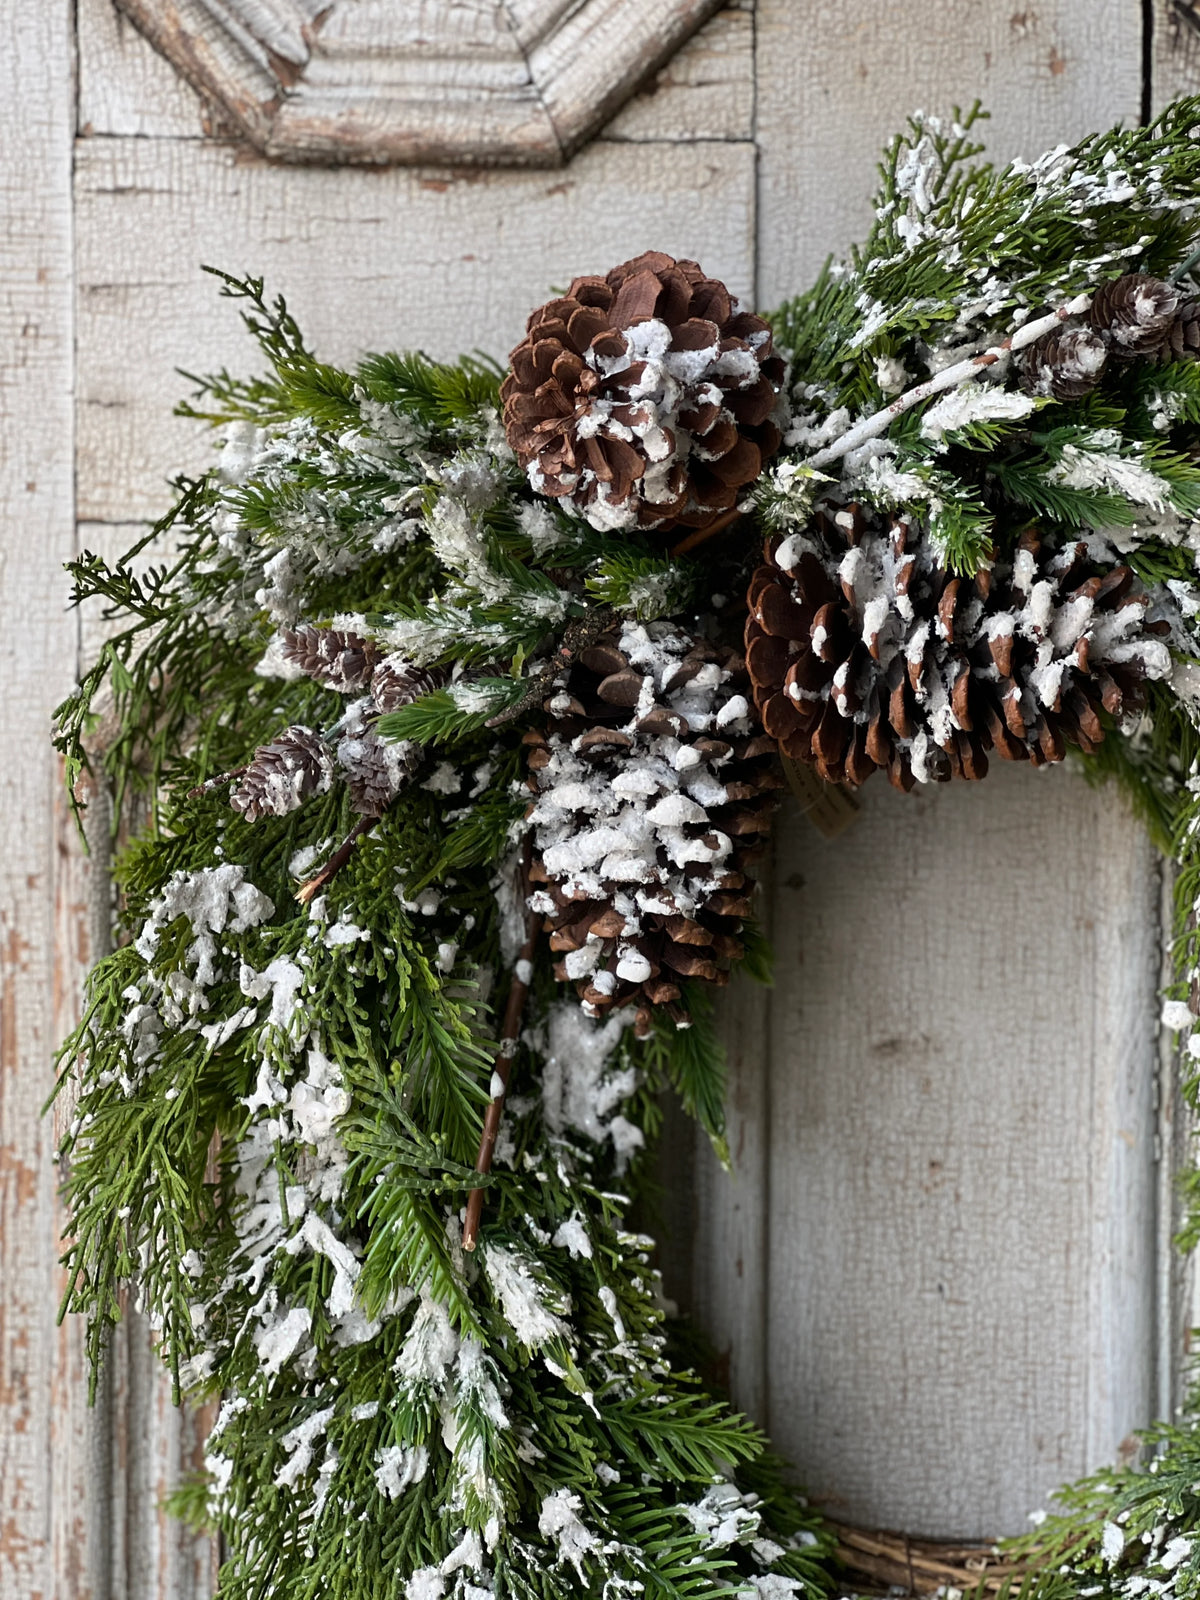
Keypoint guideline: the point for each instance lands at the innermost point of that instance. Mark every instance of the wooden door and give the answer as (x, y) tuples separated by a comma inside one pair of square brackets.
[(963, 991)]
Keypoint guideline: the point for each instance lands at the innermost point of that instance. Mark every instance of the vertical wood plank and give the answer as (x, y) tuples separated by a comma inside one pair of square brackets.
[(836, 78), (1176, 51), (730, 1273), (962, 1190), (36, 656)]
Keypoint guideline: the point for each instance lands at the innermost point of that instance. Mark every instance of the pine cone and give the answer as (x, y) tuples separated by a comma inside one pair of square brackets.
[(282, 775), (1136, 312), (376, 769), (653, 794), (1182, 338), (864, 653), (1065, 363), (644, 398), (332, 656), (398, 682)]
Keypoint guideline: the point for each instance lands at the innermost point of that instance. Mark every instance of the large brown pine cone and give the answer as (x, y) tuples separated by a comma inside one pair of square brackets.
[(1135, 313), (864, 653), (644, 398), (653, 792), (282, 775)]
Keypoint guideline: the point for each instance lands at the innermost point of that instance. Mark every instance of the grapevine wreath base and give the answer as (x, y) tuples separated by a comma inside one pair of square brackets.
[(459, 711)]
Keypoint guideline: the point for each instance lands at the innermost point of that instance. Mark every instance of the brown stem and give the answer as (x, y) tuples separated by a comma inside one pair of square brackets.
[(517, 995), (702, 535), (337, 860), (578, 634)]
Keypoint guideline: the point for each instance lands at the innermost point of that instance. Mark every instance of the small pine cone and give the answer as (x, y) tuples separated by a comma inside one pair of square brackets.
[(398, 682), (653, 793), (376, 770), (1135, 313), (1182, 340), (644, 398), (1065, 363), (332, 656), (864, 653), (282, 775)]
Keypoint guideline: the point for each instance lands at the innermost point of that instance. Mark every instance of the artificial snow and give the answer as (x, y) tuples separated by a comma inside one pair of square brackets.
[(559, 1521)]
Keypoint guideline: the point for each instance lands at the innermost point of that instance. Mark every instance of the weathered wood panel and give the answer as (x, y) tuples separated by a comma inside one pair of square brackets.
[(835, 80), (1176, 50), (448, 260), (525, 83), (705, 91), (36, 535), (960, 1186)]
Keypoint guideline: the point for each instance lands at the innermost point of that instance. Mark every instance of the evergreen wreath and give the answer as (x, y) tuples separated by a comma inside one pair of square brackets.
[(453, 722)]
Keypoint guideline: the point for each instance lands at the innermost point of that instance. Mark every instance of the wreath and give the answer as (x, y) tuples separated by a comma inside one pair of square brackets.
[(451, 728)]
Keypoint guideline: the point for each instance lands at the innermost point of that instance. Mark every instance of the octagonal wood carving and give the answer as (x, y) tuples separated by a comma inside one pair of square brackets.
[(484, 82)]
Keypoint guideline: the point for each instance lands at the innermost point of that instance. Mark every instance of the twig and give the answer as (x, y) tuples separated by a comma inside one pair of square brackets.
[(880, 421), (517, 995), (337, 860), (710, 530), (577, 635), (219, 782)]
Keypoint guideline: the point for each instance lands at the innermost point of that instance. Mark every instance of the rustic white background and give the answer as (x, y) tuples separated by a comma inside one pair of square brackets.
[(939, 1272)]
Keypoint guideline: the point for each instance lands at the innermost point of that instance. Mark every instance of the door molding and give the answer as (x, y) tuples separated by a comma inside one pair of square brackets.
[(487, 83)]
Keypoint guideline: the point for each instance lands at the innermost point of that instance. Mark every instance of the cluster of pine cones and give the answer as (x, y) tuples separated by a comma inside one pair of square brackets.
[(300, 762), (1132, 318), (647, 399)]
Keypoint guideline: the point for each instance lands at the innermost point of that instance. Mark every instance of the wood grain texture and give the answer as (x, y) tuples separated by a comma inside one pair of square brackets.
[(448, 260), (36, 644), (962, 1130), (836, 78), (705, 91), (479, 82), (126, 87), (1176, 51)]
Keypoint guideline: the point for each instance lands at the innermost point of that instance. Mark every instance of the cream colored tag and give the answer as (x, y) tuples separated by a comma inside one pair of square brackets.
[(830, 807)]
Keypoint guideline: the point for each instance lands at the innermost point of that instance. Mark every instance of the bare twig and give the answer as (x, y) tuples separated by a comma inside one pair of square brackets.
[(337, 860), (699, 536), (517, 995), (219, 782), (880, 421)]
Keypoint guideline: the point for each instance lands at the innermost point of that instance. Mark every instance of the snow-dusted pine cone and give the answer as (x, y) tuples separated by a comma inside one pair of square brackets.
[(653, 791), (1064, 364), (282, 775), (644, 398), (1182, 339), (1135, 313), (398, 682), (375, 769), (864, 653), (332, 656)]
